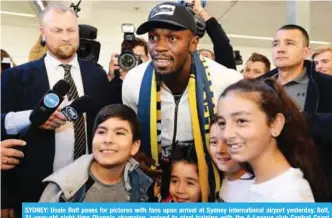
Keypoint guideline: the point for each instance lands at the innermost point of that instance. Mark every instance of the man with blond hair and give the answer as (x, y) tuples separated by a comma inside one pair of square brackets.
[(323, 59), (57, 142)]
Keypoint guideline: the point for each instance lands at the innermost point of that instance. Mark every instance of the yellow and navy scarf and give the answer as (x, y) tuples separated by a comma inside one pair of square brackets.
[(202, 108)]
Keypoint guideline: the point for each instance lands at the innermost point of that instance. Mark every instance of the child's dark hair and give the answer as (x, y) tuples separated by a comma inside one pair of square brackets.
[(185, 154), (294, 141), (121, 112), (213, 121)]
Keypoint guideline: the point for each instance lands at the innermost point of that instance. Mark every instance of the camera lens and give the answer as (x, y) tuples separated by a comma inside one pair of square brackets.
[(127, 61)]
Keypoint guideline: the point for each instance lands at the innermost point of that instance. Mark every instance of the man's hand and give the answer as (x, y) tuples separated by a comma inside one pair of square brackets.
[(9, 155), (198, 9), (113, 66), (196, 5), (7, 213), (56, 120)]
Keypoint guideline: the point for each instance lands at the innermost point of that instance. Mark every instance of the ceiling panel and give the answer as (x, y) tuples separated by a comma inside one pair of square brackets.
[(17, 6), (256, 18)]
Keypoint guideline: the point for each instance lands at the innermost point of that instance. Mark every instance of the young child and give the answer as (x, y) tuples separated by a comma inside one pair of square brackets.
[(264, 127), (184, 185), (236, 181), (110, 174)]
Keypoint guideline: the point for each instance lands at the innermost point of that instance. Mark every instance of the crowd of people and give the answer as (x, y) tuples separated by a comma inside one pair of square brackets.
[(182, 126)]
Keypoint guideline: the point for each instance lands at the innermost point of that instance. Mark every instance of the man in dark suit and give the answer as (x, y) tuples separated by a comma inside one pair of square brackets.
[(57, 142)]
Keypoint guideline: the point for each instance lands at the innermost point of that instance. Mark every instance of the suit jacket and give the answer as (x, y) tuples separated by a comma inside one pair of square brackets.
[(22, 87)]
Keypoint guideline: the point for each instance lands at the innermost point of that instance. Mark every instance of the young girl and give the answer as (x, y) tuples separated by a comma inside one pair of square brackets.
[(262, 126), (184, 185), (236, 180)]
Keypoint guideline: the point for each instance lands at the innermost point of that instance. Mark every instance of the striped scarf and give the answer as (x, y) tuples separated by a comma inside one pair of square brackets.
[(202, 108)]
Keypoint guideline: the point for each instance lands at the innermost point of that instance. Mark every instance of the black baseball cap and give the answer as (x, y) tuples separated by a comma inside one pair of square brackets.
[(169, 15)]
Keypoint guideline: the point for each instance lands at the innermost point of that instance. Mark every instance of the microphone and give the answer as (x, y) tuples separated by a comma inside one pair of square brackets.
[(49, 103), (79, 106)]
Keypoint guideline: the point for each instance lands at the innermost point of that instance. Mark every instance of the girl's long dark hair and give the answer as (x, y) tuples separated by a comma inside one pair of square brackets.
[(294, 140)]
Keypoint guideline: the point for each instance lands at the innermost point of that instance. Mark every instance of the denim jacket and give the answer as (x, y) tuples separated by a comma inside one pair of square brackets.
[(69, 184)]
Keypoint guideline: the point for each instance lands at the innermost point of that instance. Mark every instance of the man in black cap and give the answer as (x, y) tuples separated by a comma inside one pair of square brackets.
[(174, 93)]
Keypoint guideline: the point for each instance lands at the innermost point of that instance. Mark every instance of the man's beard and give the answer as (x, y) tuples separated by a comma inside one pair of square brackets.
[(63, 52)]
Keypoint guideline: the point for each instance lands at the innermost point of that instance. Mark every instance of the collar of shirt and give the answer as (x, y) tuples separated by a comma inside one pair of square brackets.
[(301, 79), (55, 72), (55, 63)]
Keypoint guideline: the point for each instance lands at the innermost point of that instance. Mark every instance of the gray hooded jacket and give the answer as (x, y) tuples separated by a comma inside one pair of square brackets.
[(69, 183)]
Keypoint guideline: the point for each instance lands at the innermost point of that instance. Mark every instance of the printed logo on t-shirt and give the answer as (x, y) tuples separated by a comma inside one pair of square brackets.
[(302, 94)]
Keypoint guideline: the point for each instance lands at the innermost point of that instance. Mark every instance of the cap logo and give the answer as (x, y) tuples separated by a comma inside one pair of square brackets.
[(163, 10)]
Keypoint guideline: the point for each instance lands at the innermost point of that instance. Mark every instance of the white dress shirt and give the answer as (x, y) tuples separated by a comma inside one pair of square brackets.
[(16, 122)]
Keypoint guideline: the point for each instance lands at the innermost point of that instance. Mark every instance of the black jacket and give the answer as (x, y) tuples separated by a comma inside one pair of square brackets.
[(319, 98), (222, 48), (115, 87), (318, 113)]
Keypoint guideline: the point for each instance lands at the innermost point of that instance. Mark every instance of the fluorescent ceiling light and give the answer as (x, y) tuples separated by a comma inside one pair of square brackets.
[(269, 38), (17, 14), (229, 35), (249, 37), (320, 42)]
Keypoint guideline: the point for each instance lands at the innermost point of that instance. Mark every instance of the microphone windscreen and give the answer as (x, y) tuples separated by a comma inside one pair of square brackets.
[(83, 104), (61, 87)]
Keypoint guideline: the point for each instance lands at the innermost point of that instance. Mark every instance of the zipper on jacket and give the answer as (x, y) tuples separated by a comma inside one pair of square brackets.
[(315, 83), (176, 117), (311, 73)]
